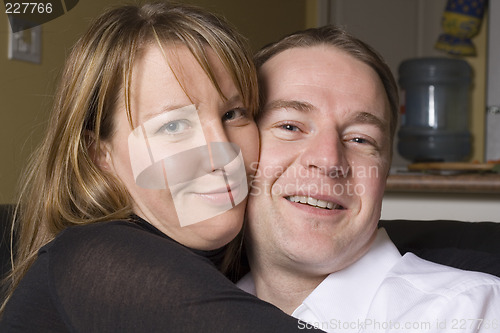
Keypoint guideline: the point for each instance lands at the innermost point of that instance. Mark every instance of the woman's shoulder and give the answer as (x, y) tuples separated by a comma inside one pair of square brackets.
[(122, 269), (105, 255), (108, 237), (119, 276), (128, 225), (123, 244)]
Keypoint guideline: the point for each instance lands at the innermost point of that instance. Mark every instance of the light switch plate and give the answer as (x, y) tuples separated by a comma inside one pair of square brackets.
[(25, 45)]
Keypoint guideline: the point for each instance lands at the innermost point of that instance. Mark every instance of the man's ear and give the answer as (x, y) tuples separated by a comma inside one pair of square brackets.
[(99, 152)]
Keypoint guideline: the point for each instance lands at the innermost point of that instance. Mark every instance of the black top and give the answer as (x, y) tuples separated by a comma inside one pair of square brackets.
[(125, 276)]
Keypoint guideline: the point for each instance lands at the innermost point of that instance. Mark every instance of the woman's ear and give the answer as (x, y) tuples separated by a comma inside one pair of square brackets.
[(99, 152)]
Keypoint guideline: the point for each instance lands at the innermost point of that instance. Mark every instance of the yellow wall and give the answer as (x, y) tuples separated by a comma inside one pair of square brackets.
[(261, 21), (26, 89)]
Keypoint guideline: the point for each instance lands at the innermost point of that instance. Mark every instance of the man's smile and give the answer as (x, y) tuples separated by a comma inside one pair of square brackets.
[(314, 202)]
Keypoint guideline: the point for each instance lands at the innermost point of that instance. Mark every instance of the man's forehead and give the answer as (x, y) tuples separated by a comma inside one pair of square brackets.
[(293, 79), (323, 66)]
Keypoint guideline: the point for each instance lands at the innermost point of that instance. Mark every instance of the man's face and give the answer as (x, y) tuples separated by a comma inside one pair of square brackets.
[(325, 156)]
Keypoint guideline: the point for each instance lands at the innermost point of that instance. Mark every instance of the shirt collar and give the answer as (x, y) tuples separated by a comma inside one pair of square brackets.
[(246, 284), (347, 294)]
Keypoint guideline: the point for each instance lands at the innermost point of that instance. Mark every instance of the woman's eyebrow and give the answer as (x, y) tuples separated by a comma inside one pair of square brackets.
[(234, 99), (166, 108)]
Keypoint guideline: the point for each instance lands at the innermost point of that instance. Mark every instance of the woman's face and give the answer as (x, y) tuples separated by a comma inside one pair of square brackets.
[(187, 159)]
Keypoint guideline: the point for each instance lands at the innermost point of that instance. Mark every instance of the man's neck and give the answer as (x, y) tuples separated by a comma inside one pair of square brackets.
[(282, 288)]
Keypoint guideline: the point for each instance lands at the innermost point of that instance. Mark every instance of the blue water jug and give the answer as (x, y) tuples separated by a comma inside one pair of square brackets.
[(434, 109)]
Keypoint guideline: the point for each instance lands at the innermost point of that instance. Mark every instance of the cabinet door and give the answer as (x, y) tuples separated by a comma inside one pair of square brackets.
[(398, 29), (493, 91)]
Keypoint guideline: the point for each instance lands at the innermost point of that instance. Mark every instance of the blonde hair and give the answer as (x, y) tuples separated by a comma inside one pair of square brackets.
[(62, 184)]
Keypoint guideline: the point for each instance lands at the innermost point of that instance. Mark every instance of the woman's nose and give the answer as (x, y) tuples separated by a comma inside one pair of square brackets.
[(220, 150), (214, 131)]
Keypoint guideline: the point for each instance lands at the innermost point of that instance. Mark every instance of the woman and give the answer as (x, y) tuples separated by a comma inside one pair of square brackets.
[(140, 183)]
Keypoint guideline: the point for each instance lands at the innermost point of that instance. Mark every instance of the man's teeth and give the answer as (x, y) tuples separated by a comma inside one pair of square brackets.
[(313, 202)]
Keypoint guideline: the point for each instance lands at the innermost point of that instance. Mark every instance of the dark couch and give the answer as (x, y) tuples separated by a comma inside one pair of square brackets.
[(466, 245), (5, 231), (471, 246)]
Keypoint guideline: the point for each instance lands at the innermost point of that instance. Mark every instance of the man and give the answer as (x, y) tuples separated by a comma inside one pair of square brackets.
[(327, 126)]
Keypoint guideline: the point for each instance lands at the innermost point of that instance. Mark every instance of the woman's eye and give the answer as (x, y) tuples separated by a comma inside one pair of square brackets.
[(234, 114), (289, 127), (174, 127)]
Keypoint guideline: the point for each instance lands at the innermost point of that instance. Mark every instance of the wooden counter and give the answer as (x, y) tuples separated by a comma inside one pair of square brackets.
[(474, 183)]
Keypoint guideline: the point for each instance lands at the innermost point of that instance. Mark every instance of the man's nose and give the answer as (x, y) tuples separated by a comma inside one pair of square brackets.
[(325, 154)]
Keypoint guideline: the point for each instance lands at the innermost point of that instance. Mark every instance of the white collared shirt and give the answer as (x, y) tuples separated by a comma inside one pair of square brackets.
[(384, 291)]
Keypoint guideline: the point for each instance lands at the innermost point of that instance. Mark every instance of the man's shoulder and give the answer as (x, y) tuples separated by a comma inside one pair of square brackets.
[(433, 278)]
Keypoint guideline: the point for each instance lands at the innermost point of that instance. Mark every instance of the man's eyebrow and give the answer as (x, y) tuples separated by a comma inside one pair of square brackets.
[(358, 117), (369, 118), (288, 104)]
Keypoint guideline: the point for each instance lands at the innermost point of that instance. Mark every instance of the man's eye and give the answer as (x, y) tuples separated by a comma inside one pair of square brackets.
[(234, 114), (289, 130), (174, 127), (359, 140)]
